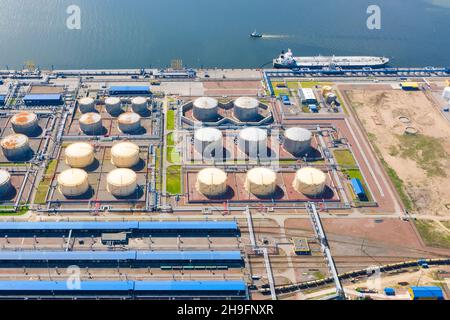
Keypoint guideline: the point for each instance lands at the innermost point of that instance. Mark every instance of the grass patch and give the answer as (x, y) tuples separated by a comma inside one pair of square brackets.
[(312, 84), (432, 235), (356, 174), (318, 275), (44, 185), (173, 180), (426, 151), (345, 158), (157, 167), (293, 84), (171, 116), (170, 139), (20, 212), (173, 156), (399, 185)]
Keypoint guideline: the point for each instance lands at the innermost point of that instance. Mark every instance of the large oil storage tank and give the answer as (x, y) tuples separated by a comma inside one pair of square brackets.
[(73, 182), (16, 146), (125, 155), (446, 93), (91, 123), (86, 105), (326, 90), (25, 122), (121, 182), (139, 105), (297, 141), (310, 181), (253, 142), (246, 109), (5, 183), (129, 122), (206, 109), (212, 182), (113, 106), (79, 155), (208, 141), (262, 182)]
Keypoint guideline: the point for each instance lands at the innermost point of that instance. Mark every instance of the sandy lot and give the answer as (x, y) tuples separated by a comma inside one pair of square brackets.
[(422, 160)]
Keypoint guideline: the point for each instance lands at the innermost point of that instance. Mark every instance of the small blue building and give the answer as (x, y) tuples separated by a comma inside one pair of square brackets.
[(2, 100), (389, 291), (358, 189), (426, 293), (43, 99)]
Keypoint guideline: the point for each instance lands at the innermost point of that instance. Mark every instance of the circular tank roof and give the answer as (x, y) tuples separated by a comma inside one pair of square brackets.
[(125, 149), (246, 103), (262, 176), (298, 134), (14, 141), (129, 117), (206, 103), (139, 100), (86, 100), (24, 117), (72, 177), (90, 118), (112, 100), (5, 177), (212, 176), (311, 176), (253, 134), (79, 150), (122, 177), (208, 134)]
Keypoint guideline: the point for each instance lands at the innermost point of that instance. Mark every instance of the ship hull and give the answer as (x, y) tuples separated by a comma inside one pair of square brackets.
[(324, 62), (299, 66)]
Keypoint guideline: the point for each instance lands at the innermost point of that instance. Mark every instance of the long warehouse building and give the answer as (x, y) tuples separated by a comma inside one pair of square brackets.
[(162, 259), (154, 228), (126, 289)]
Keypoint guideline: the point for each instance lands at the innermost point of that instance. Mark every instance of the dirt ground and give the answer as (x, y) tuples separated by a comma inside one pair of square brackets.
[(421, 161)]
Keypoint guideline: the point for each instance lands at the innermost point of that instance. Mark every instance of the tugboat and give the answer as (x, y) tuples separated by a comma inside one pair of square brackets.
[(255, 34)]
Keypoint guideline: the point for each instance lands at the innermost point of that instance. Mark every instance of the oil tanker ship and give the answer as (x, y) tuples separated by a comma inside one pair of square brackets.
[(286, 60)]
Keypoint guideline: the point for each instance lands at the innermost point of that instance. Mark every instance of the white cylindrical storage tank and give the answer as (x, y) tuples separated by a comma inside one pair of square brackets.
[(86, 105), (326, 90), (253, 142), (79, 155), (262, 182), (446, 93), (129, 122), (121, 182), (73, 182), (310, 181), (125, 155), (113, 106), (212, 182), (91, 123), (5, 183), (16, 146), (24, 122), (208, 141), (139, 105), (206, 109), (246, 109), (297, 141)]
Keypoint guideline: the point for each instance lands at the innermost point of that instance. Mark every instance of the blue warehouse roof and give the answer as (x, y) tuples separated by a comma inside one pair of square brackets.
[(124, 286), (188, 255), (62, 285), (66, 255), (68, 225), (427, 293), (357, 187), (42, 97), (189, 286), (129, 88), (2, 98), (197, 225)]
